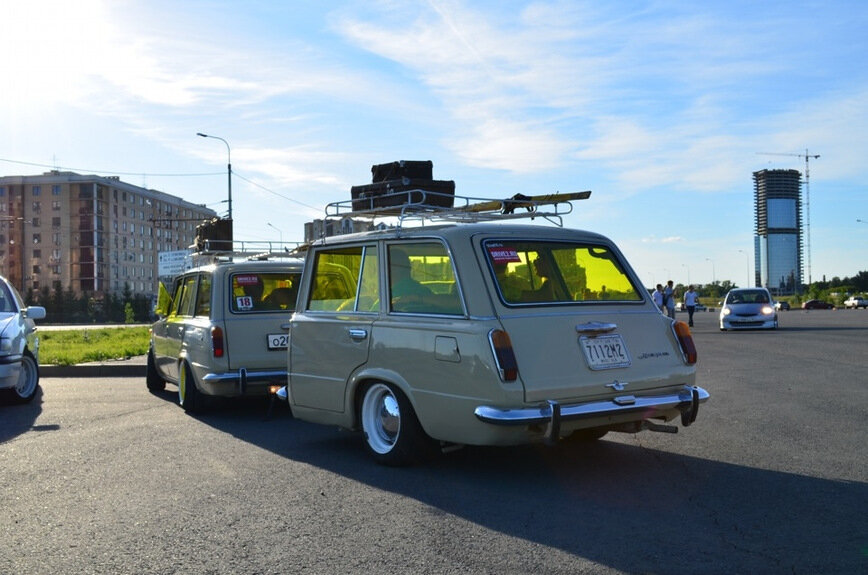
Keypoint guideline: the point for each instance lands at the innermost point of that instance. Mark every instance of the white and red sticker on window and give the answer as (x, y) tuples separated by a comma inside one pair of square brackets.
[(503, 255), (247, 280)]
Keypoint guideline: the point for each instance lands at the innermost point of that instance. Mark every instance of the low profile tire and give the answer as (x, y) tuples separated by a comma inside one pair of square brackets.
[(393, 435), (154, 381), (189, 396), (28, 381)]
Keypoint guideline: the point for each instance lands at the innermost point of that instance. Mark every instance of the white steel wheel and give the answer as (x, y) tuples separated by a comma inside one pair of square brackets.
[(393, 435), (381, 418), (28, 380)]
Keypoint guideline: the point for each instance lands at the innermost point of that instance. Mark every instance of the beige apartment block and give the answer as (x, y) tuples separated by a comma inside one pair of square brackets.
[(90, 233)]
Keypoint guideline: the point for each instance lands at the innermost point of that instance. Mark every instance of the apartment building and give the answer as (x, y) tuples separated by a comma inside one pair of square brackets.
[(90, 233)]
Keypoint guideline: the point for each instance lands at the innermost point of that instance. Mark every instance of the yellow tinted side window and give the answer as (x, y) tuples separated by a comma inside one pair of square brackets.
[(422, 279)]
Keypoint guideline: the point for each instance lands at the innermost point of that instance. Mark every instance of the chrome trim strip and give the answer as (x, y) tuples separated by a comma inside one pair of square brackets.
[(650, 406), (249, 376)]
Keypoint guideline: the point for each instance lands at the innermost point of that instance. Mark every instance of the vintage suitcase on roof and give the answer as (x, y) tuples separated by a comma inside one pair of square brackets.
[(403, 182), (439, 193), (422, 170)]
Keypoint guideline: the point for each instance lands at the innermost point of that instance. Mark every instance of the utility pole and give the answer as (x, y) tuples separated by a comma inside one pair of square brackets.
[(807, 157)]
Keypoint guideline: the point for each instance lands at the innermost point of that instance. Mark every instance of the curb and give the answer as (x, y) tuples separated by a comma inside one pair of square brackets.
[(134, 367)]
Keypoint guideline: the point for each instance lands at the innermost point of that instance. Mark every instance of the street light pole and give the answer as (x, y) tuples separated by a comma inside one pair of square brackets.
[(269, 224), (712, 270), (228, 165)]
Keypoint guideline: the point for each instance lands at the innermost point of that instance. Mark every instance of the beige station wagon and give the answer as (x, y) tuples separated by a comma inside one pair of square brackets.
[(224, 331), (483, 334)]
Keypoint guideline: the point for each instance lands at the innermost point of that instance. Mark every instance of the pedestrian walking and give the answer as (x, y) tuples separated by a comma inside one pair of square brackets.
[(690, 299)]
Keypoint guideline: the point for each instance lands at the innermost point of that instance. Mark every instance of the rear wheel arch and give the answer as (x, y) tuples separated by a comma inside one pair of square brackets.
[(358, 386)]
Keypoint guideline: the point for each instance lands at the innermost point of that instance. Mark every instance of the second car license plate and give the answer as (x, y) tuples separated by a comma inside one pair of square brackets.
[(277, 340), (605, 351)]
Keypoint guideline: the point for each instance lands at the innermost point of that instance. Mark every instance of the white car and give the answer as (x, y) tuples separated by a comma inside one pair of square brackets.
[(748, 308), (19, 346), (856, 301)]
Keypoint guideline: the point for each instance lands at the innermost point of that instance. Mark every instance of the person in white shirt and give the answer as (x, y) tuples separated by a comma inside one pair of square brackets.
[(669, 299), (658, 297), (690, 299)]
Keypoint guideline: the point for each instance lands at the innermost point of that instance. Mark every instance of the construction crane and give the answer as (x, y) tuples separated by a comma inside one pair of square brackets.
[(807, 157)]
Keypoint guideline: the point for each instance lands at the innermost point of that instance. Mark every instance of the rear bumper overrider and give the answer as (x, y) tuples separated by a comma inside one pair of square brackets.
[(552, 413), (244, 378)]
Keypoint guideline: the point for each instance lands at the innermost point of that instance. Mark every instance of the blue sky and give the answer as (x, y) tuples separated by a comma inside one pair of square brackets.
[(663, 109)]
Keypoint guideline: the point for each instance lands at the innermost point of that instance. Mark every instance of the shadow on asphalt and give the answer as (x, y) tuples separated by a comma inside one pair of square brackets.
[(625, 506), (19, 418)]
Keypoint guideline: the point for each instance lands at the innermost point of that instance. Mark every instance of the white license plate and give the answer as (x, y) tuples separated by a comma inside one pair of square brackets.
[(278, 340), (605, 351)]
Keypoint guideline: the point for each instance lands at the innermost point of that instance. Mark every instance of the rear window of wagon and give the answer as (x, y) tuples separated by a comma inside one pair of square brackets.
[(542, 272)]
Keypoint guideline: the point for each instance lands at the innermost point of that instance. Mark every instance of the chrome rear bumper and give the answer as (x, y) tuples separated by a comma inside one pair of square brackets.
[(686, 400), (242, 378)]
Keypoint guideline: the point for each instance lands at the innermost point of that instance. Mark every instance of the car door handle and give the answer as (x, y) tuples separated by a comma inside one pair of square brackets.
[(356, 333)]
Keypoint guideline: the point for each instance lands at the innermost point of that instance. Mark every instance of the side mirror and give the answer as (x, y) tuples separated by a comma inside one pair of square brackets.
[(34, 312)]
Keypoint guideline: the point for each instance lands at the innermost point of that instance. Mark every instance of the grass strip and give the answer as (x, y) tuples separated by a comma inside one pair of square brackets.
[(73, 346)]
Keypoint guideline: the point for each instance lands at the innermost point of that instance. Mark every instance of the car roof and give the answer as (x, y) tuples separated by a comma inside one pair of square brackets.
[(292, 264), (465, 230)]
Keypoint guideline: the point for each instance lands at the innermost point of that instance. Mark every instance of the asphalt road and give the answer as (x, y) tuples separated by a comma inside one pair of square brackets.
[(100, 476)]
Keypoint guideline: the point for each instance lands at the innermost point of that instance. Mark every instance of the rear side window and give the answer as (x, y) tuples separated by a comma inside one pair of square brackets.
[(528, 272), (264, 291), (422, 279), (345, 279), (203, 296)]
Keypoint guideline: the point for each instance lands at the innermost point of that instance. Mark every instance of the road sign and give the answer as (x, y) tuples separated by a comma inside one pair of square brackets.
[(172, 263)]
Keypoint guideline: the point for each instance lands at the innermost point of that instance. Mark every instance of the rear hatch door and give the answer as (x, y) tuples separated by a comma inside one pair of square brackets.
[(587, 354)]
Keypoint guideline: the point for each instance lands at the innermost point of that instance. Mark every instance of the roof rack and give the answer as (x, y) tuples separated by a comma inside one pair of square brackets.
[(425, 205), (213, 251)]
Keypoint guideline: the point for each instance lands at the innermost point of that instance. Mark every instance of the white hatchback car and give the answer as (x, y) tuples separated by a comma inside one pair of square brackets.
[(748, 308), (19, 346), (224, 332), (484, 334)]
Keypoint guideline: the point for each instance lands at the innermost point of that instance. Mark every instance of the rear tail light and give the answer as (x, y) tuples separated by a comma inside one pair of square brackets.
[(685, 341), (503, 354), (217, 341)]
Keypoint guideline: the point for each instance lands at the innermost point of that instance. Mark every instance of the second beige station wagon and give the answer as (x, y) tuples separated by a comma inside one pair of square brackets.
[(224, 331), (483, 334)]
